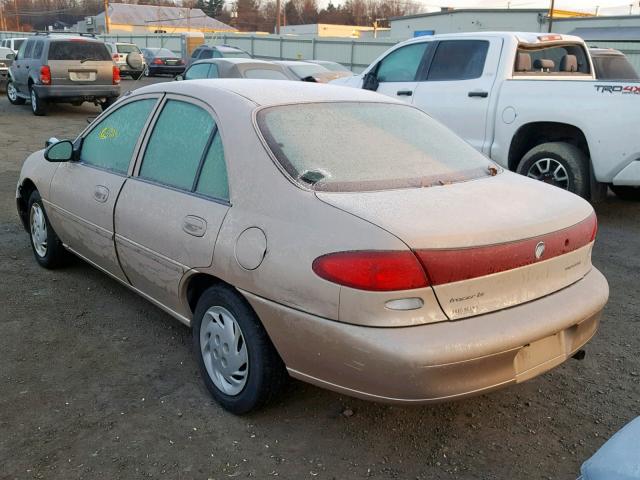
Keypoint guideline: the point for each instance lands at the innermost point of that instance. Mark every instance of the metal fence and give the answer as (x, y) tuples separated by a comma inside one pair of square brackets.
[(354, 53)]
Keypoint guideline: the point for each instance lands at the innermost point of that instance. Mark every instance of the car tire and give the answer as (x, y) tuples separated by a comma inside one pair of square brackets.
[(107, 103), (240, 366), (12, 94), (626, 192), (560, 164), (45, 244), (39, 106)]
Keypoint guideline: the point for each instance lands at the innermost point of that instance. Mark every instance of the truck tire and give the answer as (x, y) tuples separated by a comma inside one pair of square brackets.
[(38, 105), (626, 192), (560, 164), (12, 94)]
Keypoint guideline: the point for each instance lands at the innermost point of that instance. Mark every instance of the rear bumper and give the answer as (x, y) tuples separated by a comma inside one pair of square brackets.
[(630, 175), (77, 92), (441, 361), (166, 69)]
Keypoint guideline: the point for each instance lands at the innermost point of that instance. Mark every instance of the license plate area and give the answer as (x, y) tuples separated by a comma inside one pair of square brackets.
[(539, 356), (82, 76)]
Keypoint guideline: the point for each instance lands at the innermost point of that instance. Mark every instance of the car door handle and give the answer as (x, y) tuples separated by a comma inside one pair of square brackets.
[(195, 226), (404, 93), (478, 93), (101, 194)]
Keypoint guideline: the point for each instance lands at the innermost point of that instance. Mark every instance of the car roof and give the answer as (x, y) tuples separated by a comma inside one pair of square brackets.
[(601, 52), (521, 37), (234, 61), (269, 92), (293, 63)]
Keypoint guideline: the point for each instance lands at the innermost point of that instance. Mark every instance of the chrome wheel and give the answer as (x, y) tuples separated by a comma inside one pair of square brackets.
[(38, 230), (12, 93), (550, 171), (224, 351)]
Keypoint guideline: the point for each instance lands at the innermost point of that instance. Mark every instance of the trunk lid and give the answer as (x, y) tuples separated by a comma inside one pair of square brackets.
[(478, 239)]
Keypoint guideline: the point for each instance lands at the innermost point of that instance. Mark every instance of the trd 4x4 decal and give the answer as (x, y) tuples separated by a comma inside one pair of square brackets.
[(622, 89)]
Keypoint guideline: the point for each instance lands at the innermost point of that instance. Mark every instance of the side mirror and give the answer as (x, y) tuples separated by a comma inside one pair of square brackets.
[(370, 82), (11, 56), (178, 78), (59, 152)]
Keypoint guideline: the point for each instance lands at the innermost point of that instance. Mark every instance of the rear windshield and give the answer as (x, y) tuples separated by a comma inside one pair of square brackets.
[(127, 48), (304, 71), (78, 50), (162, 53), (234, 54), (264, 74), (554, 60), (354, 146), (614, 67)]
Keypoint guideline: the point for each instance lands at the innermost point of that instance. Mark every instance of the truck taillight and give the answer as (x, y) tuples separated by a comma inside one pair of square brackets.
[(116, 57), (45, 75), (116, 75)]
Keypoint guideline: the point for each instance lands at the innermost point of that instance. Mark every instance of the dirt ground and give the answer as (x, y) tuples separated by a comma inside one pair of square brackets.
[(97, 383)]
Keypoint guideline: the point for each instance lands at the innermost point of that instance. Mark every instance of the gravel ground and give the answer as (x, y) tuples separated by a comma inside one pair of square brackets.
[(97, 383)]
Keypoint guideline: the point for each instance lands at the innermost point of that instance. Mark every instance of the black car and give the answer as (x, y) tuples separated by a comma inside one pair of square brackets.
[(162, 61), (612, 64), (205, 52)]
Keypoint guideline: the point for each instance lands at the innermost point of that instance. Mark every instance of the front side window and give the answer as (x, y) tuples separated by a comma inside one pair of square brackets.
[(78, 50), (177, 145), (458, 60), (366, 146), (199, 70), (111, 142), (402, 65)]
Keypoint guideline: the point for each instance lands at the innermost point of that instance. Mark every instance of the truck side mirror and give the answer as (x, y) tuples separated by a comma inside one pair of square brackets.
[(370, 81)]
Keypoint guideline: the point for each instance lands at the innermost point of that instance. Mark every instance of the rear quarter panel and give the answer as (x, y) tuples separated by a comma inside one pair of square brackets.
[(606, 112)]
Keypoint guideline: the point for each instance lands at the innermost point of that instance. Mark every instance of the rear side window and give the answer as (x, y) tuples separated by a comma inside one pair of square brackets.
[(78, 50), (177, 145), (29, 49), (402, 65), (37, 51), (111, 142), (213, 177), (200, 70), (458, 60)]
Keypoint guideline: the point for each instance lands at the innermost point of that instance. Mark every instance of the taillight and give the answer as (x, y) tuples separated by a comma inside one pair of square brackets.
[(157, 61), (373, 270), (595, 228), (116, 75), (45, 75), (116, 57), (181, 62), (455, 265)]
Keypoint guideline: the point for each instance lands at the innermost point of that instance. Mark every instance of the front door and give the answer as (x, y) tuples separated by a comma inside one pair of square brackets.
[(457, 87), (397, 73), (168, 215), (84, 193)]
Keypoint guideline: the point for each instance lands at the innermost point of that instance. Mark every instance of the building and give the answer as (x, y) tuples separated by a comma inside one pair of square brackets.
[(145, 19), (331, 30)]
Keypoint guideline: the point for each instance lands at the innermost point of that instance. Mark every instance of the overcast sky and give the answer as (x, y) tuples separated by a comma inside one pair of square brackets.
[(607, 7)]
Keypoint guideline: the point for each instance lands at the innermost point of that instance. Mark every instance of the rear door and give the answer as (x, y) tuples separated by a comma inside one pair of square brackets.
[(398, 72), (22, 66), (168, 216), (84, 193), (79, 62), (456, 87)]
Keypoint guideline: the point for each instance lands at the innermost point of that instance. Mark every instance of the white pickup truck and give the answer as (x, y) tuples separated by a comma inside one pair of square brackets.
[(529, 101)]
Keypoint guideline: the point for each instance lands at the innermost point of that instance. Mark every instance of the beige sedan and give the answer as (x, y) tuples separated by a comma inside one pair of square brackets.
[(334, 235)]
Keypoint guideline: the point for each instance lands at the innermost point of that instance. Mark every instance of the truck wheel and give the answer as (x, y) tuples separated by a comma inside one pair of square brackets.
[(626, 192), (38, 106), (240, 366), (560, 164), (12, 94)]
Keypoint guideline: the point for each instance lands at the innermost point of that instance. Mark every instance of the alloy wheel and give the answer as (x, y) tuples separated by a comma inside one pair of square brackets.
[(12, 93), (550, 171), (224, 350)]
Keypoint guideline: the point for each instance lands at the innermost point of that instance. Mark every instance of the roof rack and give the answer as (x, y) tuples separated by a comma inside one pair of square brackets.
[(81, 34)]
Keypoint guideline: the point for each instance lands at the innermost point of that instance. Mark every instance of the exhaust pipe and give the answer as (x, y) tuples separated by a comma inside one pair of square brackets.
[(580, 354)]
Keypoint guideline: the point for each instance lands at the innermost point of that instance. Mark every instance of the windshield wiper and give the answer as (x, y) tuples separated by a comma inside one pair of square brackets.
[(90, 60)]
